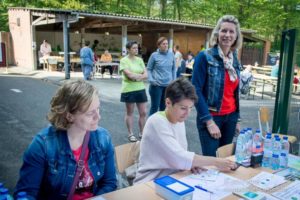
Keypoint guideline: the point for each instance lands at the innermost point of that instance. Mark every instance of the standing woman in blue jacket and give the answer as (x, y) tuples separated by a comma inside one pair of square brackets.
[(161, 71), (87, 61), (216, 79), (51, 160)]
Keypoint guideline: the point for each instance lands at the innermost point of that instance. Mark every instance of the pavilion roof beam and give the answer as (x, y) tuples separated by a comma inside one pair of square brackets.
[(111, 24), (43, 20)]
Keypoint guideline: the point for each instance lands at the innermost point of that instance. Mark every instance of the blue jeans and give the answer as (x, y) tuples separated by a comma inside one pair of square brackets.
[(227, 126), (87, 70), (157, 94)]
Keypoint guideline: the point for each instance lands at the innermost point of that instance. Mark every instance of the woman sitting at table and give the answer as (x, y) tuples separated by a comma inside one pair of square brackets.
[(106, 58), (72, 146), (163, 149)]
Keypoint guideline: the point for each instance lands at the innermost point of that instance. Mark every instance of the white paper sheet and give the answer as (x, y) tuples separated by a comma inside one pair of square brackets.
[(223, 186), (291, 192), (266, 181)]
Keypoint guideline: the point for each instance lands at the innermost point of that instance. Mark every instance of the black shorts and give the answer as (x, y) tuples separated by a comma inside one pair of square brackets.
[(134, 97)]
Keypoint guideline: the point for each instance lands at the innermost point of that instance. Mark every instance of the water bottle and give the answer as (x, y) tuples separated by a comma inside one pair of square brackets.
[(285, 148), (257, 141), (240, 148), (248, 146), (277, 146), (275, 162), (4, 195), (266, 162), (22, 196), (276, 153)]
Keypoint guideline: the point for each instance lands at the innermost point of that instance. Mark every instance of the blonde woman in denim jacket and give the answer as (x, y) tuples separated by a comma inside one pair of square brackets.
[(216, 79), (49, 163)]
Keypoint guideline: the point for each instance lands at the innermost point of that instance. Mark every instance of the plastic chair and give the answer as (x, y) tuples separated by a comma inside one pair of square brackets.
[(126, 155), (225, 151)]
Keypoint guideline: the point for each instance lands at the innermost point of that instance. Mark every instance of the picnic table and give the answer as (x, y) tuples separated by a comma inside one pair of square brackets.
[(265, 79)]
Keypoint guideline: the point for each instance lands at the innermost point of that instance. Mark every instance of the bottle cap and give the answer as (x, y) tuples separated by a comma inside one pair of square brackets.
[(21, 194), (285, 137), (3, 191), (1, 185), (283, 154), (275, 156)]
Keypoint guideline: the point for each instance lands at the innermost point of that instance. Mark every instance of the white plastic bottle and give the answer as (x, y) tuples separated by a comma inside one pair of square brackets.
[(285, 148), (240, 148), (266, 162), (276, 153)]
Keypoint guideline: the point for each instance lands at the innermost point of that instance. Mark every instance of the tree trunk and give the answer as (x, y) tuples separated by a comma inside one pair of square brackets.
[(163, 12)]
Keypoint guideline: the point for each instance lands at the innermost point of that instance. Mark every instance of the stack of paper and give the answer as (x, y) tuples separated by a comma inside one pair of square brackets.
[(291, 192), (266, 181)]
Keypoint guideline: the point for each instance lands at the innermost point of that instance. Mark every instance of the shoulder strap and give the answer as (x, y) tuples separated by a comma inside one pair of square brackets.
[(80, 164)]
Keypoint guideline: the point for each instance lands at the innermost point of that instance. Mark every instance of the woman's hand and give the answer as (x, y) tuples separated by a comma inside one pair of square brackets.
[(225, 165), (213, 129), (198, 170)]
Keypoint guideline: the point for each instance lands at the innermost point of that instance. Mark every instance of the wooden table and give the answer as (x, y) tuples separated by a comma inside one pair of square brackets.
[(146, 191), (264, 70)]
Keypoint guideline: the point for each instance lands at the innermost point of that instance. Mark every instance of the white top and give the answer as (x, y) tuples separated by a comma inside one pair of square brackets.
[(45, 49), (163, 149)]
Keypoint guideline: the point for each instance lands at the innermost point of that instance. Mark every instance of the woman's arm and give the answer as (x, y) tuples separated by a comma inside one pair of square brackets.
[(150, 67), (108, 182), (221, 163), (130, 75), (199, 79), (32, 170)]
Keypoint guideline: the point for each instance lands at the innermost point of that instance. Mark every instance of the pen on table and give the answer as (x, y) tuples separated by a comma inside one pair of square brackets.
[(203, 189)]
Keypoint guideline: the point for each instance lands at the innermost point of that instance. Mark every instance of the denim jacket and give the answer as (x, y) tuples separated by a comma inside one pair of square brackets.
[(49, 165), (208, 79)]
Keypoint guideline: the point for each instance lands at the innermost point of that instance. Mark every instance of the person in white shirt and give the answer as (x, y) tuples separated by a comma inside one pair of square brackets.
[(163, 149), (45, 48)]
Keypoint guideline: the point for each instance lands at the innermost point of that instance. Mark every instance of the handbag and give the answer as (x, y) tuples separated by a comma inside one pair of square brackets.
[(80, 165)]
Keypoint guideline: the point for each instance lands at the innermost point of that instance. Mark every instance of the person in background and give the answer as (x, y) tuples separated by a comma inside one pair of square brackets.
[(216, 77), (161, 71), (45, 48), (51, 160), (189, 63), (181, 69), (202, 47), (178, 57), (275, 69), (133, 88), (163, 149), (106, 58), (87, 61)]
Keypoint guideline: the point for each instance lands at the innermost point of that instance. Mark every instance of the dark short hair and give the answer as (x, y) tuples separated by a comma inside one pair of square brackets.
[(181, 89), (87, 43), (160, 40), (130, 44)]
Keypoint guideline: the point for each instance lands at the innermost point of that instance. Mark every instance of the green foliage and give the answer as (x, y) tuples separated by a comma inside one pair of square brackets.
[(268, 17)]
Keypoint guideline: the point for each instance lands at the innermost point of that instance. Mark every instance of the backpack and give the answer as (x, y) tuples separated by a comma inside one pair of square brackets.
[(245, 89)]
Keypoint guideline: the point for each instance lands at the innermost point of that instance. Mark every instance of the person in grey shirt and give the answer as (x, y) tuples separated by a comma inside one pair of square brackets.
[(161, 71)]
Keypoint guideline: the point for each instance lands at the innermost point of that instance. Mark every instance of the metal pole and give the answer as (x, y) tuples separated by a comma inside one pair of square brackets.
[(284, 82), (66, 47), (124, 39)]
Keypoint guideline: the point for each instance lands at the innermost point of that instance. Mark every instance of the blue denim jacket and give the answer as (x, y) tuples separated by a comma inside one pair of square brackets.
[(49, 165), (208, 79)]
